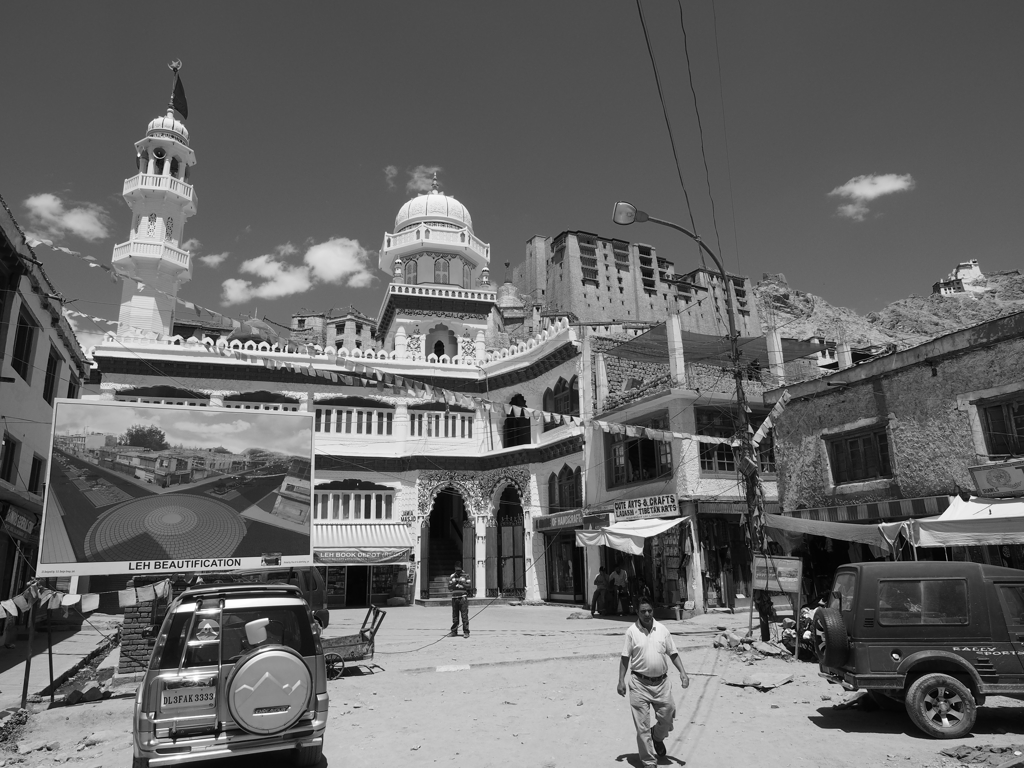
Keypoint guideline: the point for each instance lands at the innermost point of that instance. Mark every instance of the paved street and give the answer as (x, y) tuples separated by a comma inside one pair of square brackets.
[(532, 687), (127, 520)]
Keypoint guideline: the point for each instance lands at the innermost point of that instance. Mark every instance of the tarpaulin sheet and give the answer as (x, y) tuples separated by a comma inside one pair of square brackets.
[(973, 523), (627, 536), (866, 534), (652, 347)]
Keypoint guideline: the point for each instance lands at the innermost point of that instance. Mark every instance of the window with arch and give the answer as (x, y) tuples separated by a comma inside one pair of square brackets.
[(467, 276), (441, 271), (565, 489), (411, 269), (564, 399), (168, 228), (151, 226), (516, 430)]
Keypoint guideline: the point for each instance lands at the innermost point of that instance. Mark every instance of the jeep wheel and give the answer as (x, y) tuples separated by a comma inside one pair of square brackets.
[(831, 642), (941, 706)]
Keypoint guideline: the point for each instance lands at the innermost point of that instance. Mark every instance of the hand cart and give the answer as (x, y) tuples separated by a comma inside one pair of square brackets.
[(338, 650)]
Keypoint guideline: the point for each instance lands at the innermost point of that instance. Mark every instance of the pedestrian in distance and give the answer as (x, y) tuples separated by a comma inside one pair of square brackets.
[(647, 649), (601, 582), (460, 586), (620, 584)]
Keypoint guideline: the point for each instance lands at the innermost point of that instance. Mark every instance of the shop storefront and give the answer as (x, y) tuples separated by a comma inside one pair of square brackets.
[(565, 569), (363, 563), (725, 554), (654, 546)]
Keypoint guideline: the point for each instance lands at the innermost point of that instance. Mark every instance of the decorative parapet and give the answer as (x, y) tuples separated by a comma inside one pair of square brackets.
[(469, 349)]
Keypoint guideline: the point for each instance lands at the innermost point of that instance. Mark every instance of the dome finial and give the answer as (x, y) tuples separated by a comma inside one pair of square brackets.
[(433, 185)]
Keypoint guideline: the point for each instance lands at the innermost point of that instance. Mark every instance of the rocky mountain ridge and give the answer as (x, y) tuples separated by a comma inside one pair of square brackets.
[(905, 323)]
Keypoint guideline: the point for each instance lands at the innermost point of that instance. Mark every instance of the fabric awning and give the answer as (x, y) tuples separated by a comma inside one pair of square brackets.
[(652, 347), (627, 536), (361, 543), (866, 534), (973, 523)]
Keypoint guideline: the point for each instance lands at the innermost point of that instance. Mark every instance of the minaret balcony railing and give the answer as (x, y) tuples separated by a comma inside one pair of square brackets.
[(440, 291), (149, 181), (177, 259), (425, 236)]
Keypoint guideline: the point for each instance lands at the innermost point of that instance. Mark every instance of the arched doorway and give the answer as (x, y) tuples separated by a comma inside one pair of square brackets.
[(506, 549), (448, 537)]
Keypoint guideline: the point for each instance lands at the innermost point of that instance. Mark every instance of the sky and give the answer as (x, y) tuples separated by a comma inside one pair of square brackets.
[(860, 149), (199, 428)]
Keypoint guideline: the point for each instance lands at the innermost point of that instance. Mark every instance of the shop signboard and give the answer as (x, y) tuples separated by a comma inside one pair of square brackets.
[(20, 525), (777, 574), (362, 556), (559, 520), (646, 507), (1003, 479), (131, 489)]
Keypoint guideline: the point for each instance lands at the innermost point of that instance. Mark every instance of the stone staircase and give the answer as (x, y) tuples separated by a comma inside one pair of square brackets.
[(443, 555)]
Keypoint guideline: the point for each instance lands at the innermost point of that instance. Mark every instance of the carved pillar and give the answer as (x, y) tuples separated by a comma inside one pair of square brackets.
[(401, 340)]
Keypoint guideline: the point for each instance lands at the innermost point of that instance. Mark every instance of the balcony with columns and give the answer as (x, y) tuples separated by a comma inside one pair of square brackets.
[(163, 257), (163, 186)]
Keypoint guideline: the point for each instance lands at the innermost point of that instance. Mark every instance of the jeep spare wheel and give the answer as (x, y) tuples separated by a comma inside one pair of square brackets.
[(831, 642), (941, 706), (268, 690)]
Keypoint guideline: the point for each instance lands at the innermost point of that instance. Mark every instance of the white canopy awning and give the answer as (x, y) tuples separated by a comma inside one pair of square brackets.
[(867, 534), (973, 523), (627, 536)]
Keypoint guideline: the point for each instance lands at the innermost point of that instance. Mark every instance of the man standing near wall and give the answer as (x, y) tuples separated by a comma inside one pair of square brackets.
[(644, 653), (459, 585)]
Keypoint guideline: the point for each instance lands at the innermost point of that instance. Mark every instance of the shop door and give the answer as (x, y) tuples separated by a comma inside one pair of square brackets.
[(511, 554), (357, 586), (565, 568)]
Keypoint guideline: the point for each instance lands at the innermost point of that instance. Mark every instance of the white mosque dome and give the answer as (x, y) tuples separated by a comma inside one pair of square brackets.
[(433, 206), (168, 126)]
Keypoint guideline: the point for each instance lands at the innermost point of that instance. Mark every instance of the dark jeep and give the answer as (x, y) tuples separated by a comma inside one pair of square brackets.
[(936, 636)]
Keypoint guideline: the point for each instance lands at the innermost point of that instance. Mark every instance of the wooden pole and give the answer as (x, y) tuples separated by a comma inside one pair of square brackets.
[(28, 652), (49, 652)]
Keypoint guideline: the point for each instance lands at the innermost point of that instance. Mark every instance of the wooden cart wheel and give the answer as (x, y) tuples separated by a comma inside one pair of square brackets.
[(335, 665)]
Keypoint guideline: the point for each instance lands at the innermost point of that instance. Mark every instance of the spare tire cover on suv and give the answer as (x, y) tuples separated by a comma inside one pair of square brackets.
[(268, 690), (830, 639)]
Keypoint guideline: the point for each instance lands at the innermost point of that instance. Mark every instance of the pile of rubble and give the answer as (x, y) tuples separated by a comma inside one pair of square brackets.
[(749, 649)]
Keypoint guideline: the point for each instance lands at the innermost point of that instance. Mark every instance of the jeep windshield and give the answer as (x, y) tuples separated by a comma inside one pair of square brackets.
[(207, 641), (842, 594)]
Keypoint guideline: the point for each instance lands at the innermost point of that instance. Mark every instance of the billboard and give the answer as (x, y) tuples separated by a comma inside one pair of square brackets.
[(139, 488)]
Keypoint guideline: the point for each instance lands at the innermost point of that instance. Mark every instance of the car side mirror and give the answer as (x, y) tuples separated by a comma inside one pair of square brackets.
[(256, 631)]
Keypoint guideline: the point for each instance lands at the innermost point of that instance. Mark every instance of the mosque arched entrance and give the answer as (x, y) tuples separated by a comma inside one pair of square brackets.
[(448, 537), (506, 548)]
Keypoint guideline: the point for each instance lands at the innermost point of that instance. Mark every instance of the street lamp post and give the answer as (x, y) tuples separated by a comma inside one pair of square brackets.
[(625, 214)]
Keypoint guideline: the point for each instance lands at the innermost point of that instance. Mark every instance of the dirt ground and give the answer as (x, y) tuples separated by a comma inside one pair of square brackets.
[(563, 713)]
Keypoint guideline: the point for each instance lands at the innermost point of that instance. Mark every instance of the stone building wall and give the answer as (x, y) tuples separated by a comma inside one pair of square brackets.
[(930, 422)]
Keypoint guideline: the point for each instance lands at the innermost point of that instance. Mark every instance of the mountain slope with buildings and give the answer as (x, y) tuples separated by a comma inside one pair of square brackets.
[(905, 323)]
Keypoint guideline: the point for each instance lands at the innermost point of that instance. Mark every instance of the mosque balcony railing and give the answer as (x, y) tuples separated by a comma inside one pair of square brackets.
[(150, 181), (425, 235), (440, 291), (143, 249)]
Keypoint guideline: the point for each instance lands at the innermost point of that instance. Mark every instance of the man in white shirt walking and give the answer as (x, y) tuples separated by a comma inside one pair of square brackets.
[(645, 654)]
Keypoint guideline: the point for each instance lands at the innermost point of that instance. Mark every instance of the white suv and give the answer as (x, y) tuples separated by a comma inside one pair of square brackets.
[(237, 669)]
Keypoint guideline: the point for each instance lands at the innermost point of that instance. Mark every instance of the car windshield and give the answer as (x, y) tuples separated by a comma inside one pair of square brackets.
[(841, 597), (225, 638)]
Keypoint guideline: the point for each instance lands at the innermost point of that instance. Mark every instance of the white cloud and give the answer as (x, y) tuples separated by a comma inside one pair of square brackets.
[(223, 428), (191, 245), (863, 189), (390, 171), (86, 338), (421, 177), (215, 259), (339, 260), (48, 214)]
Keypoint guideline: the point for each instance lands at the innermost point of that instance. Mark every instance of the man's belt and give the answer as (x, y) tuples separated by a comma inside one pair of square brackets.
[(650, 680)]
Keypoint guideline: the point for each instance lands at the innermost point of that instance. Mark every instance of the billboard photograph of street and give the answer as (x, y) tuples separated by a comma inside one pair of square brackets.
[(172, 488)]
